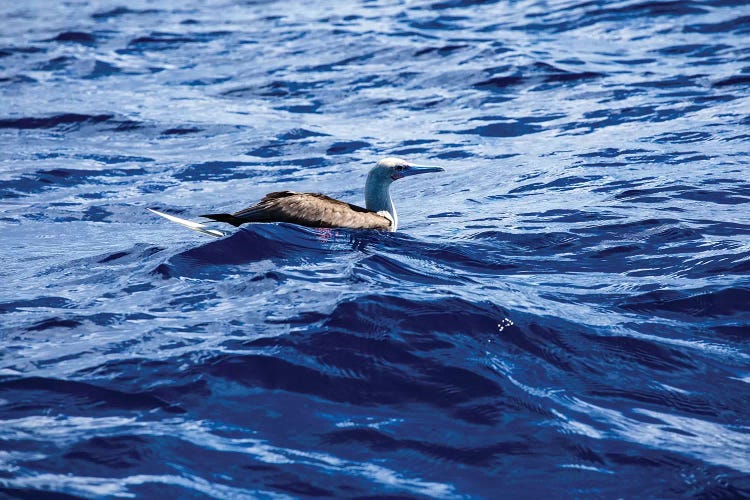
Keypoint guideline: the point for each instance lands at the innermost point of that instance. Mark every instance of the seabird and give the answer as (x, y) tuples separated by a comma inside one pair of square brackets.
[(318, 210)]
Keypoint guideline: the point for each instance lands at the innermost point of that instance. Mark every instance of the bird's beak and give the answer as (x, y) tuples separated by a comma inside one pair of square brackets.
[(420, 169)]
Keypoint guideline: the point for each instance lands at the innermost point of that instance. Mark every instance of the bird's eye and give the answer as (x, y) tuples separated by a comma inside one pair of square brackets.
[(400, 168)]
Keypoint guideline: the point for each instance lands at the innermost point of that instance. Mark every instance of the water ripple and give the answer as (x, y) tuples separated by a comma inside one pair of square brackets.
[(564, 311)]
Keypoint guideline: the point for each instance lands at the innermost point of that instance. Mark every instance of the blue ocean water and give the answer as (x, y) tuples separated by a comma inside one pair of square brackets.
[(565, 312)]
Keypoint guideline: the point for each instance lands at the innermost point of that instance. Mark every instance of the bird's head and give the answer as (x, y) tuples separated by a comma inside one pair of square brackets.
[(390, 169)]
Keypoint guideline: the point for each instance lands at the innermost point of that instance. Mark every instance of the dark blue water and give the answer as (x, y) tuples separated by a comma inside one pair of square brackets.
[(564, 313)]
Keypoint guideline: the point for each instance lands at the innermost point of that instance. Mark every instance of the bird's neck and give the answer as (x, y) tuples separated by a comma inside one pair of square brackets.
[(378, 198)]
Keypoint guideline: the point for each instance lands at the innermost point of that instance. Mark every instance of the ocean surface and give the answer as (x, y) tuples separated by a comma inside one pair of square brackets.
[(564, 312)]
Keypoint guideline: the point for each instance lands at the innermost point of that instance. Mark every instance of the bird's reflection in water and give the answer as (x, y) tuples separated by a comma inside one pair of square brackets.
[(284, 244)]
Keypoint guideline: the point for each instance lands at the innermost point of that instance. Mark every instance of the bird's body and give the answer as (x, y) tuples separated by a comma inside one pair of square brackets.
[(317, 210), (307, 209)]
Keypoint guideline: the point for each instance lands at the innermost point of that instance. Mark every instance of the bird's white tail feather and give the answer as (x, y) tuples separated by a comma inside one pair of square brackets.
[(195, 226)]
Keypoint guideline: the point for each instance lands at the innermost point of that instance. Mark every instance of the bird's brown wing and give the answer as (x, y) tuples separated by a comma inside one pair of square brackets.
[(312, 210)]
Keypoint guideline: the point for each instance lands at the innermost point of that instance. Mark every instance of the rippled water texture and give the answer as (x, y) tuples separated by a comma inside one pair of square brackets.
[(564, 312)]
